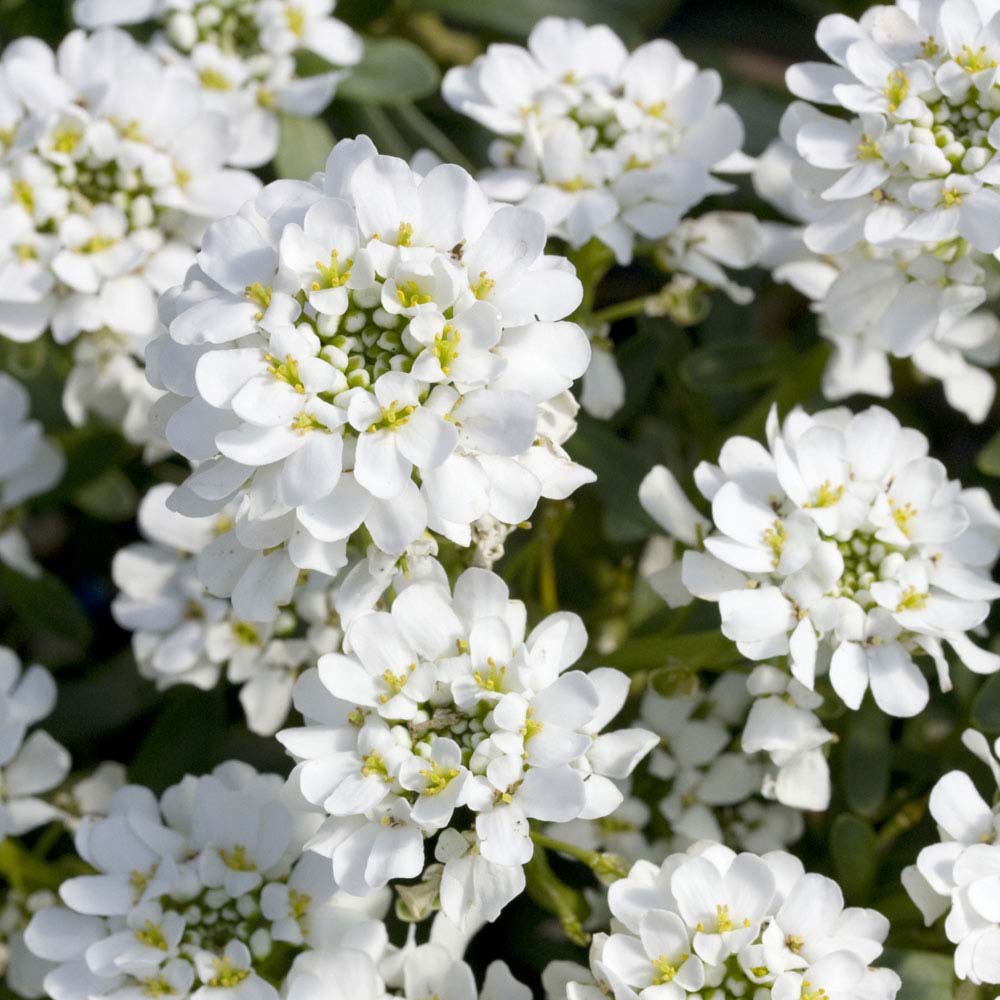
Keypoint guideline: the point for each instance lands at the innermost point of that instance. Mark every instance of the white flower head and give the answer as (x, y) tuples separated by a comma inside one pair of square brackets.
[(603, 142), (191, 894), (373, 348), (710, 920), (242, 57), (840, 545), (447, 717), (113, 170)]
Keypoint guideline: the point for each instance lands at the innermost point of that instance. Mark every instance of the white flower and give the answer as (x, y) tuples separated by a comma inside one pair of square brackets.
[(841, 544), (959, 875), (443, 708), (711, 921), (30, 764), (106, 186), (602, 142), (318, 369), (899, 201), (31, 465), (190, 893), (242, 57)]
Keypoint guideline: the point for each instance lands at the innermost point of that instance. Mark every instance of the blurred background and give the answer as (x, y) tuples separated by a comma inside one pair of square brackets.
[(687, 391)]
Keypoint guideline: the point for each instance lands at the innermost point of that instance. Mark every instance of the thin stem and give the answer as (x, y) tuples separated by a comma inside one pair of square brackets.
[(434, 137), (621, 310), (608, 867)]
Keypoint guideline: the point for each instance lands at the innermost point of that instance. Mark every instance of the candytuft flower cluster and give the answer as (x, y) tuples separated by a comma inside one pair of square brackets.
[(447, 720), (375, 348), (711, 922), (242, 57)]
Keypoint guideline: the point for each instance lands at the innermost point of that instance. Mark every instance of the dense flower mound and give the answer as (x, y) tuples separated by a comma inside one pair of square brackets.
[(205, 892), (111, 167), (960, 876), (717, 924), (842, 546), (708, 787), (417, 973), (242, 55), (184, 635), (601, 141), (902, 191), (446, 719), (374, 348), (30, 466), (31, 764)]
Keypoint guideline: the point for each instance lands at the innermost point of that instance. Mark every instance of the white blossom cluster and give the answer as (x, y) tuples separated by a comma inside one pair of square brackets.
[(843, 546), (603, 142), (447, 720), (374, 348), (416, 973), (897, 193), (712, 782), (31, 763), (111, 164), (30, 465), (782, 724), (960, 876), (242, 56), (715, 924), (207, 892)]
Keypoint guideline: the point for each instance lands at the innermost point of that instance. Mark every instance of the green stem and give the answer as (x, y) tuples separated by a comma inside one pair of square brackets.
[(607, 867), (557, 898), (434, 137), (621, 310), (902, 822)]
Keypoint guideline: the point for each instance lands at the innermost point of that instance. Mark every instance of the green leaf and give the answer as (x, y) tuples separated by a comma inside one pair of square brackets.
[(736, 364), (866, 759), (184, 739), (986, 707), (109, 497), (632, 19), (303, 146), (45, 604), (90, 452), (854, 856), (925, 975), (691, 651), (393, 71), (988, 460)]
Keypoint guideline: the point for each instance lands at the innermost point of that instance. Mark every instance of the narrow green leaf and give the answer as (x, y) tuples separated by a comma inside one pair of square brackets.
[(109, 497), (866, 760), (986, 707), (988, 460), (45, 604), (854, 856), (925, 975), (303, 146), (393, 71), (691, 651)]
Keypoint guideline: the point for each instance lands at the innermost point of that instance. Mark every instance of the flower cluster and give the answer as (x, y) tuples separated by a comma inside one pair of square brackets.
[(427, 970), (110, 167), (375, 349), (31, 465), (961, 875), (714, 923), (207, 892), (899, 200), (446, 720), (242, 56), (184, 635), (604, 143), (711, 784), (844, 547), (30, 764)]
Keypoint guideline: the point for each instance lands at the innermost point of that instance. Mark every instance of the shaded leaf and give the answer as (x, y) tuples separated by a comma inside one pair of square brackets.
[(988, 460), (854, 856), (303, 146), (866, 760), (393, 71), (925, 976), (45, 604), (986, 707), (109, 497)]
